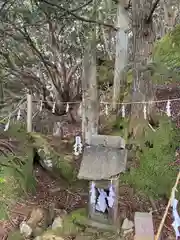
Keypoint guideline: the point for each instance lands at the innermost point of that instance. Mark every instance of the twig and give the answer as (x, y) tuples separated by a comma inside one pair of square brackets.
[(79, 17), (149, 18), (151, 127), (153, 204), (167, 208)]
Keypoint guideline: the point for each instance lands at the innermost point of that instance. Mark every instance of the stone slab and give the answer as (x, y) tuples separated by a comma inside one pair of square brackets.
[(144, 229)]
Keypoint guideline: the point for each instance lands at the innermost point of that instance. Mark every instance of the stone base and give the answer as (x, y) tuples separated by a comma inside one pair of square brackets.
[(90, 223), (143, 226)]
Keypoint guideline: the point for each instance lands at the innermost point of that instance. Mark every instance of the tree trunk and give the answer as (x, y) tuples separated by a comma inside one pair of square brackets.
[(1, 95), (143, 39), (90, 106), (169, 15), (121, 51), (90, 100)]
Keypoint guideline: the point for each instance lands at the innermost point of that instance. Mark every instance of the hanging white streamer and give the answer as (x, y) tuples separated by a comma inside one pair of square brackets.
[(80, 109), (76, 153), (123, 111), (54, 107), (78, 146), (93, 193), (101, 201), (106, 109), (7, 125), (78, 140), (41, 106), (19, 115), (176, 223), (168, 108), (111, 196), (67, 107), (145, 111)]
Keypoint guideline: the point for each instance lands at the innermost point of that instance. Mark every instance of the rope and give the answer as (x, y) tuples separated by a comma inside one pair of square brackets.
[(15, 110), (157, 237), (119, 103)]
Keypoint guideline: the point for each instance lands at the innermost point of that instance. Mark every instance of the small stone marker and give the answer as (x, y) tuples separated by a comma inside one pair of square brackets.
[(144, 229)]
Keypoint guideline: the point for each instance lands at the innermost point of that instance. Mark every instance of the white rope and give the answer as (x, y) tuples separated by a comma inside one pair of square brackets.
[(102, 102), (15, 110), (121, 103)]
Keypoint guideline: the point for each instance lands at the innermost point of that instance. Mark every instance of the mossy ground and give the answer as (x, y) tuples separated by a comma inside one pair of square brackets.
[(150, 159), (155, 174), (74, 224), (15, 169), (62, 164)]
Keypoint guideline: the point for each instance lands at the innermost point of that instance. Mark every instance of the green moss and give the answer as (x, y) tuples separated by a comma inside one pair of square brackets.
[(16, 235), (105, 73), (71, 224), (15, 169), (155, 176), (167, 52), (60, 164), (79, 215), (74, 221)]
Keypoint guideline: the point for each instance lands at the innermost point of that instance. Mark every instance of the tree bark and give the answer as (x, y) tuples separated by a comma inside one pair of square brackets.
[(90, 106), (169, 15), (121, 51), (143, 39)]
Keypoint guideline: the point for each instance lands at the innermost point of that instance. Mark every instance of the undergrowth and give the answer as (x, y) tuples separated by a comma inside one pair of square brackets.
[(155, 173), (16, 168), (60, 164)]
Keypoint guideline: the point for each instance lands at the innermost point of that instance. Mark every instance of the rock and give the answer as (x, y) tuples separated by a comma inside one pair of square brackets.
[(127, 224), (51, 236), (36, 216), (15, 235), (38, 238), (60, 212), (143, 226), (127, 231), (25, 229), (84, 237), (91, 230), (51, 160), (37, 231), (58, 223)]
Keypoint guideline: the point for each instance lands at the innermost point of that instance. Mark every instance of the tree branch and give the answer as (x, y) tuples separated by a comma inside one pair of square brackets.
[(79, 17), (82, 6), (31, 44), (72, 71), (149, 18)]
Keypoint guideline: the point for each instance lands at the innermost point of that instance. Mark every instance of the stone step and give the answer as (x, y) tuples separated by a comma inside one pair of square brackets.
[(144, 229)]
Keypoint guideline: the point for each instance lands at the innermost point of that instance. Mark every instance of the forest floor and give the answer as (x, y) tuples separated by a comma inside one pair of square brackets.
[(50, 190)]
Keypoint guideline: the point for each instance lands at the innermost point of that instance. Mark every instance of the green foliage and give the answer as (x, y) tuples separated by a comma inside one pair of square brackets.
[(155, 176), (16, 168), (120, 127), (15, 235), (167, 51), (73, 221), (105, 73), (61, 165)]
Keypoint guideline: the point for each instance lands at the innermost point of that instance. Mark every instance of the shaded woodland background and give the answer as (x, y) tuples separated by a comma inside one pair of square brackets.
[(90, 52)]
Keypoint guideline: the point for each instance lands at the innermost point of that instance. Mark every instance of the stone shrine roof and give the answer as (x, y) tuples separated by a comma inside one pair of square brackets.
[(105, 158)]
